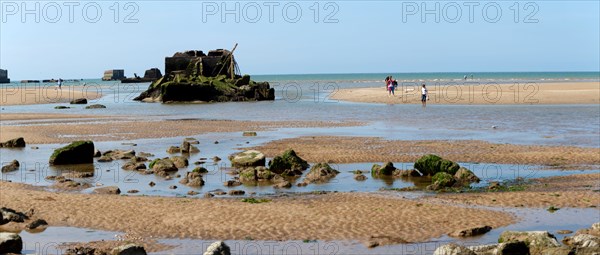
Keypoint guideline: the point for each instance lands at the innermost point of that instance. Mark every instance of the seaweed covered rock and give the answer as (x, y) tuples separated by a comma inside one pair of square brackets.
[(289, 160), (249, 158), (255, 174), (319, 173), (194, 76), (14, 143), (163, 167), (441, 180), (535, 240), (387, 169), (432, 164), (192, 179), (465, 176), (79, 152)]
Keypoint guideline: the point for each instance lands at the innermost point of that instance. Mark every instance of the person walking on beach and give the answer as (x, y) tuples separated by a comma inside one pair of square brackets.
[(390, 86), (60, 83), (424, 95)]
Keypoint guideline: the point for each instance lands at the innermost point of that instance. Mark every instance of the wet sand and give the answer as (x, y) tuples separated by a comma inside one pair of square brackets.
[(337, 216), (369, 149), (534, 93), (579, 191), (17, 94), (118, 129)]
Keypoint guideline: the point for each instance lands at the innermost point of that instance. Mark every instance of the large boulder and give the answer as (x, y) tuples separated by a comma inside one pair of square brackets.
[(387, 169), (218, 248), (10, 243), (129, 249), (12, 166), (180, 162), (13, 143), (582, 241), (79, 152), (289, 160), (249, 158), (9, 215), (119, 154), (319, 173), (254, 174), (192, 179), (163, 166), (453, 249), (465, 176), (535, 240), (432, 164)]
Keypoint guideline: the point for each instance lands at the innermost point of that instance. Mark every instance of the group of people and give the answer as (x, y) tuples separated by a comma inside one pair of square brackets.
[(392, 84)]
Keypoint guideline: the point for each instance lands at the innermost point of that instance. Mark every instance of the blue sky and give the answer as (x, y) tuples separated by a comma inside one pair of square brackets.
[(361, 36)]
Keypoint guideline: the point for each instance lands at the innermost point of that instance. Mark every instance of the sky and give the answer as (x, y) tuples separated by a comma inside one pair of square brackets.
[(81, 39)]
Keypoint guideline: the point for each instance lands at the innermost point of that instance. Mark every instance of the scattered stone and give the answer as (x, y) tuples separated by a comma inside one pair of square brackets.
[(97, 153), (79, 152), (387, 169), (133, 166), (9, 215), (162, 167), (133, 191), (216, 159), (185, 146), (564, 232), (247, 133), (432, 164), (10, 243), (14, 143), (120, 154), (232, 183), (320, 173), (236, 192), (79, 101), (179, 161), (192, 179), (407, 173), (129, 144), (494, 185), (218, 248), (129, 249), (83, 250), (105, 159), (441, 180), (110, 190), (95, 106), (360, 177), (372, 244), (453, 249), (60, 107), (35, 148), (283, 184), (151, 184), (251, 175), (465, 176), (172, 187), (12, 166), (289, 160), (78, 174), (173, 150), (582, 241), (248, 158), (208, 195), (145, 154), (471, 231), (535, 240), (37, 223), (216, 142)]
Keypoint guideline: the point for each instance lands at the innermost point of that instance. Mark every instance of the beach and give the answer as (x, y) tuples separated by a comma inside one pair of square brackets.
[(538, 166), (479, 93)]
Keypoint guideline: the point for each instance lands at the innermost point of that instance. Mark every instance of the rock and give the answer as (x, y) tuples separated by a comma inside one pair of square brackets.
[(582, 241), (79, 152), (12, 166), (14, 143), (163, 166), (82, 250), (78, 174), (97, 153), (185, 146), (487, 249), (192, 193), (151, 184), (60, 107), (535, 240), (95, 106), (79, 101), (194, 149), (172, 187), (220, 193), (120, 154), (200, 169), (247, 133), (173, 150), (35, 148), (387, 169), (564, 232), (596, 226), (132, 166), (10, 243), (407, 173), (195, 76), (360, 177), (109, 190), (289, 160), (9, 215), (133, 191), (218, 248), (250, 175), (283, 184), (69, 184), (453, 249), (208, 195), (248, 158), (320, 173), (145, 154), (216, 159), (512, 247), (105, 159), (494, 185), (465, 176), (179, 161), (432, 164), (480, 230), (192, 179), (441, 180), (232, 183), (129, 249), (36, 223), (234, 192)]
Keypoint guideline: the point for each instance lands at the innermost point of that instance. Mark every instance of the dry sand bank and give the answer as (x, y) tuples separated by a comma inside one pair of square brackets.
[(323, 217), (564, 191), (534, 93), (16, 94), (117, 130), (369, 149)]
